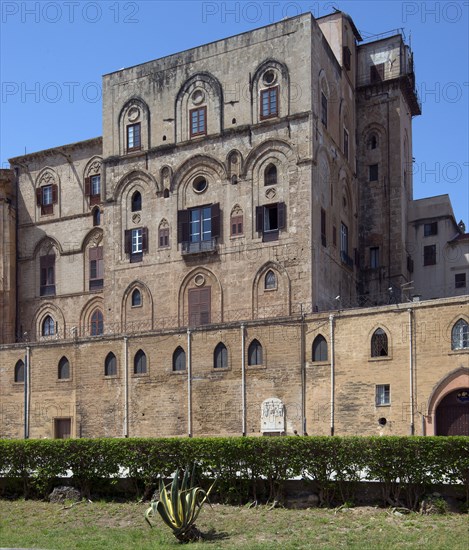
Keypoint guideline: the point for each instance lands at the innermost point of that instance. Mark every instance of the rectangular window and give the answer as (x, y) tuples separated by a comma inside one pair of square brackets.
[(198, 121), (347, 57), (93, 189), (46, 197), (429, 255), (323, 228), (269, 103), (460, 280), (236, 225), (373, 172), (430, 229), (383, 395), (136, 243), (133, 137), (324, 109), (377, 72), (346, 153), (199, 228), (374, 257), (62, 428), (334, 235), (270, 219), (163, 237), (47, 275), (199, 306), (96, 267)]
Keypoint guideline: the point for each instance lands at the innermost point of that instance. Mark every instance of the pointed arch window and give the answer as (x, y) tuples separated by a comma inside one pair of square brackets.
[(270, 281), (110, 365), (220, 357), (136, 204), (19, 371), (179, 359), (64, 369), (319, 348), (379, 343), (270, 175), (96, 323), (96, 217), (255, 353), (48, 326), (136, 299), (140, 362), (460, 335)]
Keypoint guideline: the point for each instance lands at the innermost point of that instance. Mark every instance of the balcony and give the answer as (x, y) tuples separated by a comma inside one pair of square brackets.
[(199, 247)]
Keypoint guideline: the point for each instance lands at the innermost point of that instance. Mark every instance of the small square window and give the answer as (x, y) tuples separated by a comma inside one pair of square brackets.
[(383, 395), (430, 229), (460, 280), (429, 255), (373, 172)]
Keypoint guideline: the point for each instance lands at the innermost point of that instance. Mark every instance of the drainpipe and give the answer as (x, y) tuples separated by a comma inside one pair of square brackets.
[(303, 374), (331, 334), (27, 391), (126, 386), (411, 372), (189, 384), (243, 380)]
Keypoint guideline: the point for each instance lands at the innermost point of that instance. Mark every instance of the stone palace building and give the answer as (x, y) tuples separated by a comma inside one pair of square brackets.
[(239, 253)]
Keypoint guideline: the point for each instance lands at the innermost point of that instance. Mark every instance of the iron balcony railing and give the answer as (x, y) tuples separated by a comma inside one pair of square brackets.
[(198, 247)]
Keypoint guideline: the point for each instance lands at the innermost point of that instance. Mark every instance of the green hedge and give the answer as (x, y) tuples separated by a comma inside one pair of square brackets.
[(246, 467)]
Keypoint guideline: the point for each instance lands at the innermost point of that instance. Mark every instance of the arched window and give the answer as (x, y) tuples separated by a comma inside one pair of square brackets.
[(319, 348), (96, 216), (136, 201), (270, 175), (179, 359), (136, 298), (460, 335), (270, 282), (64, 369), (48, 326), (96, 323), (166, 194), (255, 353), (19, 371), (140, 362), (220, 357), (110, 365), (379, 343)]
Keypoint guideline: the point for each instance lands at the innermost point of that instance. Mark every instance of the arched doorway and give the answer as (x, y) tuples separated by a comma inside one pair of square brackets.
[(452, 413)]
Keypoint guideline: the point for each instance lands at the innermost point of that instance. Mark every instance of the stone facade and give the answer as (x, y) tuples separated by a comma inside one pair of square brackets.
[(179, 266)]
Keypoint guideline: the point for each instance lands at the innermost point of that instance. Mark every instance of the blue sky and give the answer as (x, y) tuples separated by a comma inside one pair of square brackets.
[(53, 54)]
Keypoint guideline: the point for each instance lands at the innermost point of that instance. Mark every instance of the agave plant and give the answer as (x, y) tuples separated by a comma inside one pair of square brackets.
[(179, 506)]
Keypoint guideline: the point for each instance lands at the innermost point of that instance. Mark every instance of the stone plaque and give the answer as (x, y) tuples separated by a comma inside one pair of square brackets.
[(272, 415)]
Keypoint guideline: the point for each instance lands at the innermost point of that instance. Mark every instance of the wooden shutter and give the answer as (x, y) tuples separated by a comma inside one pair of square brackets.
[(216, 220), (127, 241), (88, 186), (39, 196), (54, 194), (183, 226), (259, 218), (144, 239), (281, 215)]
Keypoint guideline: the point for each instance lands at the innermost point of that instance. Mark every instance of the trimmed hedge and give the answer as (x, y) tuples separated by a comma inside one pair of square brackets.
[(405, 466)]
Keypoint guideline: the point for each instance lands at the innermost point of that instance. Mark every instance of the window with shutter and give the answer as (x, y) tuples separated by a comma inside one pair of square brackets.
[(47, 275), (199, 306), (270, 219), (269, 103), (96, 268), (199, 228)]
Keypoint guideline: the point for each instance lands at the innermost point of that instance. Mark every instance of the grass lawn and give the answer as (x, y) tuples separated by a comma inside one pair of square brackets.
[(107, 525)]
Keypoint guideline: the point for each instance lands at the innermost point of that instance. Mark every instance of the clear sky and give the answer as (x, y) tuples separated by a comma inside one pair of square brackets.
[(53, 55)]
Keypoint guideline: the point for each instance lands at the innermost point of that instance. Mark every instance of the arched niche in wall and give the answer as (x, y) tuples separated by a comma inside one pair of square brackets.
[(88, 317), (271, 293), (199, 107), (134, 126), (270, 91), (137, 308), (52, 311)]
